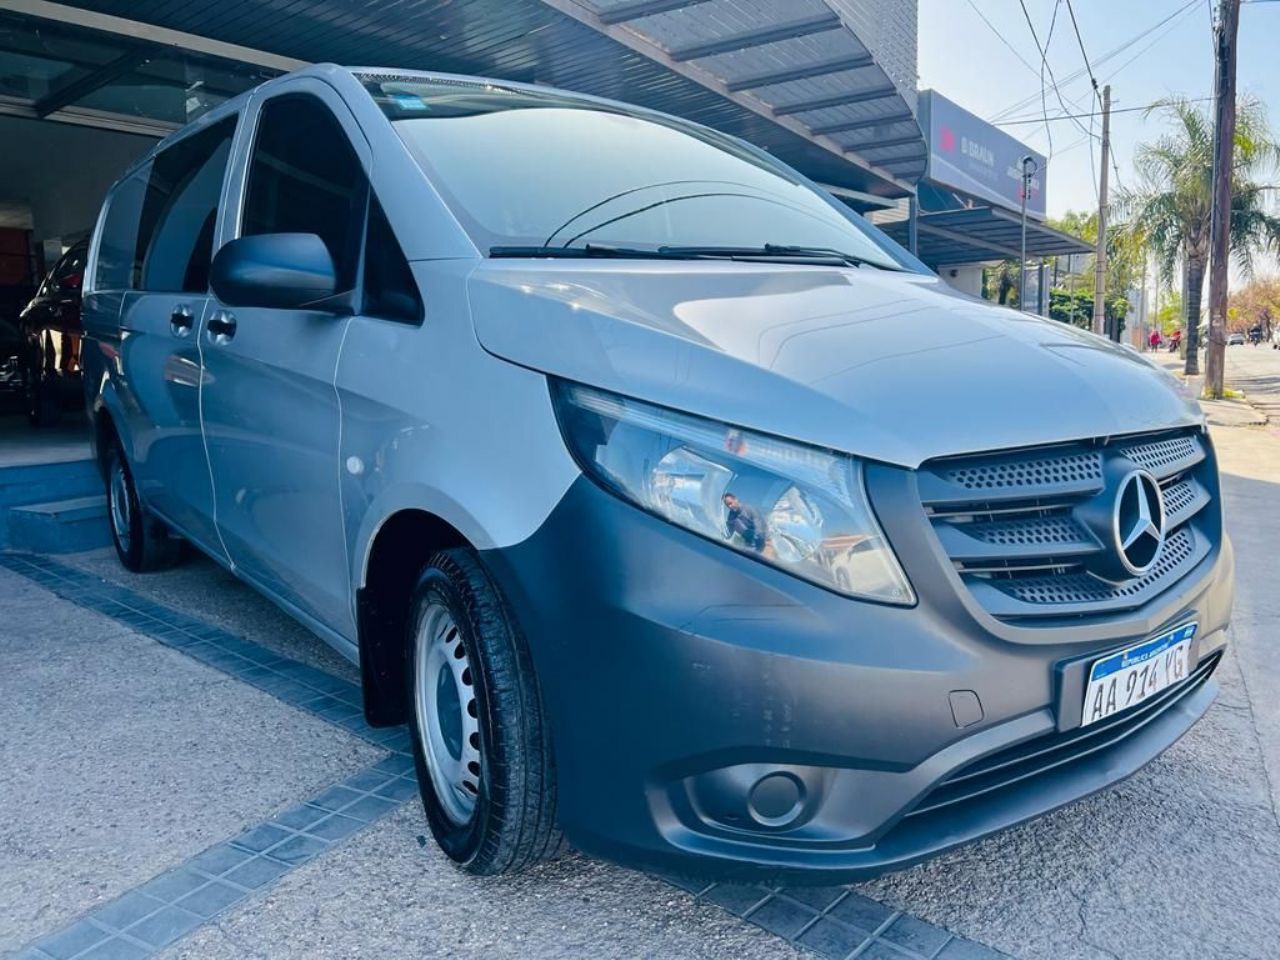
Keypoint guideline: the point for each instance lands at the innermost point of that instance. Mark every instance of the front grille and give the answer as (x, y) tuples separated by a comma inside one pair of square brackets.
[(1083, 588), (1051, 751), (1039, 471), (1164, 455), (1011, 523)]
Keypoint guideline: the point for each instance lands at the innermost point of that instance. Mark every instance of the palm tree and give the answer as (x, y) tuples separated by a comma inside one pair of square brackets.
[(1126, 258), (1170, 207)]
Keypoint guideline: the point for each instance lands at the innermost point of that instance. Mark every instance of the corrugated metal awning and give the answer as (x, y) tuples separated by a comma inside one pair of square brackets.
[(980, 234), (799, 61), (791, 77)]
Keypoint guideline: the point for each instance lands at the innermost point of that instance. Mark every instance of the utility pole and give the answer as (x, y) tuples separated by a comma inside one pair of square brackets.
[(1028, 171), (1155, 297), (1224, 135), (1100, 252), (1144, 311)]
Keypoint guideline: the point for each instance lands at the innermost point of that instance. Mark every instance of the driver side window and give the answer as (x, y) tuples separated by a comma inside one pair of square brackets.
[(304, 177)]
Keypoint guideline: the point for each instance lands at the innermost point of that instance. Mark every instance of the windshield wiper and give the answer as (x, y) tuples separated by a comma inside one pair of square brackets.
[(781, 251), (769, 252), (592, 250)]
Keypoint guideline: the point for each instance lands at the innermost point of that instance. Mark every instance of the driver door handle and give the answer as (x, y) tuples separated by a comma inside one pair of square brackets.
[(222, 327), (180, 321)]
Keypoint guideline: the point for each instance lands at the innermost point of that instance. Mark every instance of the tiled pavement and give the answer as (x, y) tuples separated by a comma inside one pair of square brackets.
[(178, 901), (829, 921), (837, 922)]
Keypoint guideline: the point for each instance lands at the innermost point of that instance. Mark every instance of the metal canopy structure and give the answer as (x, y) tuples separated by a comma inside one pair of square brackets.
[(979, 234), (798, 63), (791, 77), (146, 81)]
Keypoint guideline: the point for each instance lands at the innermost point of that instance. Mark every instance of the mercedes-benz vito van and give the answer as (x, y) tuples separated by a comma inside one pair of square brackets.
[(676, 510)]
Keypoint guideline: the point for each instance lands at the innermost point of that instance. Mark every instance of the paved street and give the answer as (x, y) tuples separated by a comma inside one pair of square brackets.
[(186, 775), (1256, 371)]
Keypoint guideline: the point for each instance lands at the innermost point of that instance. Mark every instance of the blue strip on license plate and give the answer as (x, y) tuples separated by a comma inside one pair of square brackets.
[(1142, 652), (1126, 678)]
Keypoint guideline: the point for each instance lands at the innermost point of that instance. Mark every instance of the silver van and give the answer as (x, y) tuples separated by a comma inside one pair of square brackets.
[(678, 512)]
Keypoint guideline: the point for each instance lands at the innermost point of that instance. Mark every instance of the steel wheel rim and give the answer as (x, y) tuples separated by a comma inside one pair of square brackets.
[(119, 499), (447, 714)]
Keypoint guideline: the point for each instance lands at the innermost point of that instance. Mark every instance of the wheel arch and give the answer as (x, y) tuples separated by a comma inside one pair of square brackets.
[(108, 412), (395, 556), (105, 433)]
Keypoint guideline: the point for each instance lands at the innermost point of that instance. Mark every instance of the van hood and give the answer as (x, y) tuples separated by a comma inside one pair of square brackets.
[(895, 367)]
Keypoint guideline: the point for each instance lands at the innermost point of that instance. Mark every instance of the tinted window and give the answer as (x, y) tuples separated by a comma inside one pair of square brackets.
[(118, 246), (175, 236), (389, 288), (533, 168), (304, 177)]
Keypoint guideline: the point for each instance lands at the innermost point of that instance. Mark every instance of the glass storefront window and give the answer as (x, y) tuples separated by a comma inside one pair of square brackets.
[(38, 60)]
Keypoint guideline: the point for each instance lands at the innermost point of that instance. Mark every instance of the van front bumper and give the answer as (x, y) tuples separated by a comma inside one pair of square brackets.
[(710, 714)]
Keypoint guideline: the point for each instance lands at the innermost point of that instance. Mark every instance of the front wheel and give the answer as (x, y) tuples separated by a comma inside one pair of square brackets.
[(480, 741), (143, 543)]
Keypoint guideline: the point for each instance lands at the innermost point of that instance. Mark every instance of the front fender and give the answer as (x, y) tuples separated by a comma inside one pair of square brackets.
[(409, 496)]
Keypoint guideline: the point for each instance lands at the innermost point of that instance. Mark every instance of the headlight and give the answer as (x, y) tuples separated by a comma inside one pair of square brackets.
[(798, 508)]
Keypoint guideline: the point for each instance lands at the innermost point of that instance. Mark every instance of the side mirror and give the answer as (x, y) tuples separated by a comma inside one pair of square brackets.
[(284, 270)]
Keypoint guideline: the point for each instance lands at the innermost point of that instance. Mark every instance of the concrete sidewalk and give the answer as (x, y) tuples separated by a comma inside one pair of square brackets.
[(122, 758)]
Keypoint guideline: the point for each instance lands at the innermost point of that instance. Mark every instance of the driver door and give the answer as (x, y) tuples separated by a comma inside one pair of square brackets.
[(270, 410)]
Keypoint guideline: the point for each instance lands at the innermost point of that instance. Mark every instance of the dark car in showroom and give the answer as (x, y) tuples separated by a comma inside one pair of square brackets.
[(11, 393), (49, 361)]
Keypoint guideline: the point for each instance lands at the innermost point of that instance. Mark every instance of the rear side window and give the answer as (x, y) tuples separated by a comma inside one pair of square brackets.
[(304, 177), (175, 235), (118, 244), (158, 231)]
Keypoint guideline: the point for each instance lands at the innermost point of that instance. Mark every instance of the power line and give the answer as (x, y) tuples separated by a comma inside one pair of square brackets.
[(1001, 37), (1044, 64), (1092, 80), (1080, 40), (1115, 51), (1109, 55), (1080, 116), (1044, 54), (1106, 109), (1154, 40)]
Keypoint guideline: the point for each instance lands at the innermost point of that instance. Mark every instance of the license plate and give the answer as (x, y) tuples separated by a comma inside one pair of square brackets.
[(1126, 678)]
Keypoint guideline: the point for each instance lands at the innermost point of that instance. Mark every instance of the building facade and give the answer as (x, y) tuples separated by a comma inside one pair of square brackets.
[(891, 32)]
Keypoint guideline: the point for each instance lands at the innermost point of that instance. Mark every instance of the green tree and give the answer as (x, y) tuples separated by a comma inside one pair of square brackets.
[(1170, 316), (1256, 304), (1169, 208), (1126, 254), (1076, 308)]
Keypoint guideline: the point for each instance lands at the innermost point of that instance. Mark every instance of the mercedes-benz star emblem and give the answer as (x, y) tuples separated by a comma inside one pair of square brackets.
[(1138, 522)]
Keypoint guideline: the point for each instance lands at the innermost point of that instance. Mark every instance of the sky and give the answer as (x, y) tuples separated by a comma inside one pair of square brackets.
[(962, 58)]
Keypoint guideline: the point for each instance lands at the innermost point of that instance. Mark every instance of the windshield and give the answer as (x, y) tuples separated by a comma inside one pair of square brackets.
[(545, 170)]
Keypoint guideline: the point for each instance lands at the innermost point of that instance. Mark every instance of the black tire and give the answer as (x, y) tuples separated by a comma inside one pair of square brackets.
[(143, 542), (513, 822)]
